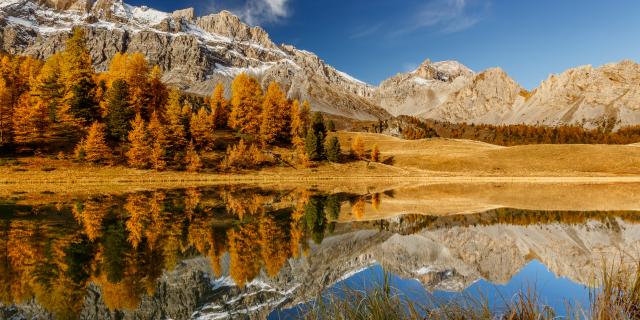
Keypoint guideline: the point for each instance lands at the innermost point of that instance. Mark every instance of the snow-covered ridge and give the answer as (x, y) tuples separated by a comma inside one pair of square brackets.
[(117, 15)]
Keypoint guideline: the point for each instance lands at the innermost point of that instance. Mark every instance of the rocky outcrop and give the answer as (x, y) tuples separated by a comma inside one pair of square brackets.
[(489, 97), (194, 53), (604, 97), (608, 96), (198, 52), (423, 90)]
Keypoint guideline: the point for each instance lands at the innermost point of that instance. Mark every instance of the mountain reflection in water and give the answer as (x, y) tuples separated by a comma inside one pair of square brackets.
[(245, 251)]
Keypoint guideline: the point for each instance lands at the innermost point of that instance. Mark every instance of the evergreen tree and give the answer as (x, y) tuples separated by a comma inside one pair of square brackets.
[(119, 111), (220, 107), (77, 77), (202, 126), (314, 141), (275, 116), (317, 124), (246, 105), (331, 126), (333, 150), (313, 145), (95, 146), (375, 153), (192, 159), (139, 153)]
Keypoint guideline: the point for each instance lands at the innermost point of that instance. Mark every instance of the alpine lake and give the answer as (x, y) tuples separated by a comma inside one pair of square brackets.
[(260, 251)]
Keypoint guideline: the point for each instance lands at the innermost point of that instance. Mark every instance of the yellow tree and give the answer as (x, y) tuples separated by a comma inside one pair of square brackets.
[(244, 253), (6, 112), (357, 147), (138, 77), (305, 117), (157, 92), (192, 159), (202, 126), (134, 69), (175, 123), (95, 146), (246, 104), (158, 135), (23, 130), (375, 153), (275, 117), (220, 107), (139, 152)]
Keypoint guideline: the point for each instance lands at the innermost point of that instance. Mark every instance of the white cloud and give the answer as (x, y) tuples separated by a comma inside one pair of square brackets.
[(448, 16), (255, 12)]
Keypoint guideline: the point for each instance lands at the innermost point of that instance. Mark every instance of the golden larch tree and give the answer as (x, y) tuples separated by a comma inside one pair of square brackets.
[(220, 107), (375, 153), (157, 92), (202, 126), (95, 146), (157, 132), (357, 147), (23, 130), (139, 153), (175, 123), (305, 117), (6, 112), (275, 115), (246, 104), (192, 159)]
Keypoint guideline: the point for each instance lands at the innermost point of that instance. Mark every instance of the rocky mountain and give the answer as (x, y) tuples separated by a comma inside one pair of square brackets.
[(608, 96), (422, 90), (195, 52), (198, 52)]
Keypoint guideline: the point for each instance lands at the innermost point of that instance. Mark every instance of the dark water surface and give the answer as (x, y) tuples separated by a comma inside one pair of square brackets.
[(248, 252)]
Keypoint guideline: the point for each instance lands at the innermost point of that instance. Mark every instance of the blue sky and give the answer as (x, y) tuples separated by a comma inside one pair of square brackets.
[(375, 39)]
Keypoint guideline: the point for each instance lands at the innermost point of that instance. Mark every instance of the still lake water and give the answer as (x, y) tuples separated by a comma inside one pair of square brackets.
[(255, 252)]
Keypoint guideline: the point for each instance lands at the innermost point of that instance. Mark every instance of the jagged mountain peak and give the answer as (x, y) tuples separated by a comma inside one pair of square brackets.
[(442, 70), (195, 53)]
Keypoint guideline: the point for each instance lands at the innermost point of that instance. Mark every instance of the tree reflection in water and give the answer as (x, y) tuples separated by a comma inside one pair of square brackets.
[(123, 244)]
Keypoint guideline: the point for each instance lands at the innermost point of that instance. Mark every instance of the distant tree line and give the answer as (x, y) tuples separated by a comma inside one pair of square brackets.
[(413, 128)]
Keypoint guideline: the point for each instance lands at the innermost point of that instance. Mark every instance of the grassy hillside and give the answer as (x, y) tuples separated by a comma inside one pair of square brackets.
[(402, 161), (465, 157)]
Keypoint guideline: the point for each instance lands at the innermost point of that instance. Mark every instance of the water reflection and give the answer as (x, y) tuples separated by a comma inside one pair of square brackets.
[(130, 254)]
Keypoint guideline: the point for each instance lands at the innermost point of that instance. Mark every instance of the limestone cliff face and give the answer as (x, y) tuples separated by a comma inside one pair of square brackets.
[(423, 90), (488, 97), (587, 96), (605, 97), (195, 52)]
